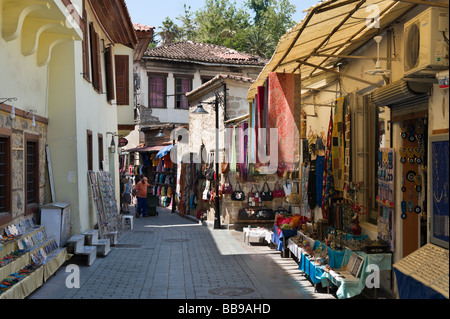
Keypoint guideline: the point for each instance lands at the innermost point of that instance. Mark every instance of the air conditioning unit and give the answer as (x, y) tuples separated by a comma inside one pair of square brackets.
[(425, 49)]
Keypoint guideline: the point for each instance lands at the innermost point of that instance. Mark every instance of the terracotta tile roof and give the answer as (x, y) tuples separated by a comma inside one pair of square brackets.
[(219, 77), (142, 27), (203, 53)]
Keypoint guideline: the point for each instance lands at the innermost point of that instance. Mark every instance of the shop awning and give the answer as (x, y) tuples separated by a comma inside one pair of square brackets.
[(330, 32), (164, 151), (146, 149)]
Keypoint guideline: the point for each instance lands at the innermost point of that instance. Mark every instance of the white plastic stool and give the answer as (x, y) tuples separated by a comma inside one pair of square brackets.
[(130, 218)]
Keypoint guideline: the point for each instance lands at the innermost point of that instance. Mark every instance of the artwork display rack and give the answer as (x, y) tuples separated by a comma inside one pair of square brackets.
[(105, 203), (110, 206)]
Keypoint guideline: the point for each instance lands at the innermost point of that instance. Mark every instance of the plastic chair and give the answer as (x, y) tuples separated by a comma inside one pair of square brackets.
[(129, 218)]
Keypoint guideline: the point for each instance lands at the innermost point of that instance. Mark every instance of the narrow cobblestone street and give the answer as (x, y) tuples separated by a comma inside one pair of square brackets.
[(171, 257)]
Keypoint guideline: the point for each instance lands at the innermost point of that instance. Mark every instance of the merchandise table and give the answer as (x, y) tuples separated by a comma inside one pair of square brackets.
[(335, 256), (311, 268), (254, 232), (280, 238), (348, 289)]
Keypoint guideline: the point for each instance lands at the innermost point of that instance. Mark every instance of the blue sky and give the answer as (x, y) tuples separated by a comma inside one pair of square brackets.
[(153, 12)]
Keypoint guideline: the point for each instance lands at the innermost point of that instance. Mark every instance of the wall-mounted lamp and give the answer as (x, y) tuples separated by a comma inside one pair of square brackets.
[(161, 133), (112, 147), (3, 100), (33, 120), (105, 46)]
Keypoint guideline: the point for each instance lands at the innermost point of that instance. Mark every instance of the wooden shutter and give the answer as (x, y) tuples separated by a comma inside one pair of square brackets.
[(99, 65), (122, 79), (93, 54), (85, 45), (96, 61), (109, 74)]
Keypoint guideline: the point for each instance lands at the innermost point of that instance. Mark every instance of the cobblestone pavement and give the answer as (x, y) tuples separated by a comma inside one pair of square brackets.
[(171, 257)]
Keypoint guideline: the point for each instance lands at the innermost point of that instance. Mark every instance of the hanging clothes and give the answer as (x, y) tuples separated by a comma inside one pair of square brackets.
[(312, 200)]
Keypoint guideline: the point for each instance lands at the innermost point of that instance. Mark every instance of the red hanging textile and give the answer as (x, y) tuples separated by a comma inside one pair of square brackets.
[(284, 101)]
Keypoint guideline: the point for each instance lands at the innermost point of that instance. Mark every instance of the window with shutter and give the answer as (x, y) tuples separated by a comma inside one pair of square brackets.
[(110, 93), (183, 84), (89, 150), (157, 90), (122, 79), (100, 151), (95, 59), (85, 46)]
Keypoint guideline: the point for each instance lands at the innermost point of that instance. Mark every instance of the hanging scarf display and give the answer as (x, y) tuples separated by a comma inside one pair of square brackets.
[(337, 148), (328, 180), (233, 150), (259, 118), (305, 176), (242, 156)]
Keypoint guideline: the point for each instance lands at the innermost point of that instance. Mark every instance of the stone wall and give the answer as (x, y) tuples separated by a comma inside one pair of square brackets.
[(20, 126)]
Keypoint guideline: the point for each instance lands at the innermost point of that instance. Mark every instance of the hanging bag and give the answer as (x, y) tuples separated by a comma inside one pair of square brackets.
[(294, 198), (227, 188), (266, 195), (254, 198), (278, 191), (205, 195), (238, 194)]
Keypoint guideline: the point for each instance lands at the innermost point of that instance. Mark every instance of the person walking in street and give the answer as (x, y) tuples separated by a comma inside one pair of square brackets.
[(141, 194), (126, 195)]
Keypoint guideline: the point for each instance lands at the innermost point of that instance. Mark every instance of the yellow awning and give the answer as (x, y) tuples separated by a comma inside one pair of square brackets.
[(330, 30)]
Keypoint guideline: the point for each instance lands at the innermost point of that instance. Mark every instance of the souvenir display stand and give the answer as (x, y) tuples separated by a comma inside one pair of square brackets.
[(27, 259), (385, 197), (424, 274)]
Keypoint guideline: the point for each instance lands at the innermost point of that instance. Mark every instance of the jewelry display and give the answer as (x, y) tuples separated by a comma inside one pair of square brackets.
[(412, 157)]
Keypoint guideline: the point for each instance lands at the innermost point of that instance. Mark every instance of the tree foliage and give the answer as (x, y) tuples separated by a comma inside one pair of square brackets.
[(221, 22)]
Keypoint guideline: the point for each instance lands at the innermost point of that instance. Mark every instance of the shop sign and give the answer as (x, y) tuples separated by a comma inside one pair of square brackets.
[(123, 142)]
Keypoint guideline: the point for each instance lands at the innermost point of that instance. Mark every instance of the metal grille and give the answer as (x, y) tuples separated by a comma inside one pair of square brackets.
[(3, 172), (30, 175)]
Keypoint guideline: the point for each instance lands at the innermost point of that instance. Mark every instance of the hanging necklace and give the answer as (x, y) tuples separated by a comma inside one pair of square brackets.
[(410, 202)]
